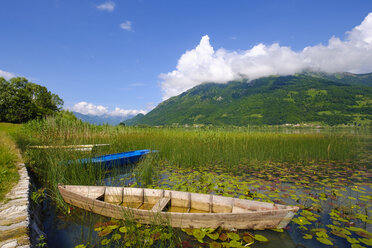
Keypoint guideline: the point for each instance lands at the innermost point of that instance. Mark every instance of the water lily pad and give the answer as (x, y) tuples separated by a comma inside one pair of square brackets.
[(187, 230), (339, 234), (303, 228), (105, 242), (234, 243), (215, 244), (213, 236), (319, 230), (116, 236), (113, 227), (366, 241), (357, 246), (352, 240), (233, 236), (198, 234), (248, 238), (324, 241), (322, 235), (223, 237), (278, 230), (307, 236), (355, 229), (364, 234), (301, 221), (106, 231), (260, 238)]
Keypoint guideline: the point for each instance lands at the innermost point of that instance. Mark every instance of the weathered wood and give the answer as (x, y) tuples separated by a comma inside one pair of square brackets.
[(226, 212), (161, 204), (70, 147), (114, 195)]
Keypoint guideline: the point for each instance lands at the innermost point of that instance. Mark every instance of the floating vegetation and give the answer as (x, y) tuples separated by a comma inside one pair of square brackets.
[(115, 233), (335, 198)]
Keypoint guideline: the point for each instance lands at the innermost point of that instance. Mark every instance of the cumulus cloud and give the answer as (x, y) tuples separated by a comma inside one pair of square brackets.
[(126, 25), (91, 109), (204, 64), (107, 6), (6, 75)]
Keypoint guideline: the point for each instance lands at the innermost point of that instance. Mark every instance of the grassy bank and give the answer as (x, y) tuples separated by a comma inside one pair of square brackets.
[(8, 158)]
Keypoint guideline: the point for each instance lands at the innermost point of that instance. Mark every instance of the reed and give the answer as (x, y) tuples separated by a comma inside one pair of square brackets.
[(180, 147)]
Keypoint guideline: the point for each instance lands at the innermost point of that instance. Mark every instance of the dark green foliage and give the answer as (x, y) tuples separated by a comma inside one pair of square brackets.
[(21, 101), (272, 100)]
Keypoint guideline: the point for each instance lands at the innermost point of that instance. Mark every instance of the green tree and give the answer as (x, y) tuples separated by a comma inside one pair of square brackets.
[(21, 101)]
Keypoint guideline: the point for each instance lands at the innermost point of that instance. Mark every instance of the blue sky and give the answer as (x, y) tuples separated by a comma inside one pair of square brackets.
[(99, 55)]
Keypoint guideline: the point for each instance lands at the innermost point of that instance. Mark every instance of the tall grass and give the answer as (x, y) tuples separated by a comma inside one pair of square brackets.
[(8, 159)]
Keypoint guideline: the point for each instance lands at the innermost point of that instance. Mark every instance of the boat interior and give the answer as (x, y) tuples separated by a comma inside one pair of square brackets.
[(174, 201)]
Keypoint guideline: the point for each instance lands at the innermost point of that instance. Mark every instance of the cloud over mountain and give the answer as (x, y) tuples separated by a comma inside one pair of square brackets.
[(204, 64), (99, 110)]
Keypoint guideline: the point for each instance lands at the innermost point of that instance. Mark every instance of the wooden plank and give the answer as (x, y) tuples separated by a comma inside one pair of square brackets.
[(211, 204), (161, 204), (114, 195)]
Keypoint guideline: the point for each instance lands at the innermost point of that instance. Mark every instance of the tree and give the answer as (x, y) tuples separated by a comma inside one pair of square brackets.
[(21, 101)]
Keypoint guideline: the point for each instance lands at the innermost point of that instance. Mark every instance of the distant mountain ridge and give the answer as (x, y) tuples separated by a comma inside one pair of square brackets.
[(101, 119), (344, 77), (311, 97)]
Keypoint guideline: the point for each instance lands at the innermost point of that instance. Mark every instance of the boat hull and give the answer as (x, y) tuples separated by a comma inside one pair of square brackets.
[(257, 220), (117, 159)]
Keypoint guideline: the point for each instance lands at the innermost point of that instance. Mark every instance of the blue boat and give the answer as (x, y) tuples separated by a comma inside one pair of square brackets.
[(117, 159)]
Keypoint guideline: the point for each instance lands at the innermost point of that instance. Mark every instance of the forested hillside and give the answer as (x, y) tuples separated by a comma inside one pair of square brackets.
[(272, 100)]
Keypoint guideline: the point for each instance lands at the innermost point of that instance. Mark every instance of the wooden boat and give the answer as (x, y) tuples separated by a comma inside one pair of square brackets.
[(117, 159), (179, 209), (71, 147)]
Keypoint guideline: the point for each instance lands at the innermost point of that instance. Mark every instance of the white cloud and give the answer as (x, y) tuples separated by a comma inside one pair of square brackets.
[(6, 75), (91, 109), (204, 64), (126, 25), (107, 6), (126, 112)]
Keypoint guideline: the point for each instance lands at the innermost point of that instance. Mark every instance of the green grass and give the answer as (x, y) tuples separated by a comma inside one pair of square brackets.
[(8, 158)]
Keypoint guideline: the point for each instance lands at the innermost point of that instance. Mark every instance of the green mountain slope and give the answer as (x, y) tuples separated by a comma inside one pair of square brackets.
[(344, 77), (135, 120), (271, 100)]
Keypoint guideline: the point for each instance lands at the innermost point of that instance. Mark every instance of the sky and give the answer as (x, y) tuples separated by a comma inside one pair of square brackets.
[(123, 57)]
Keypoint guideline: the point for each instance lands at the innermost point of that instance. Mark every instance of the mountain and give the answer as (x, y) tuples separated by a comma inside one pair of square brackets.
[(134, 120), (101, 119), (304, 98), (344, 77)]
